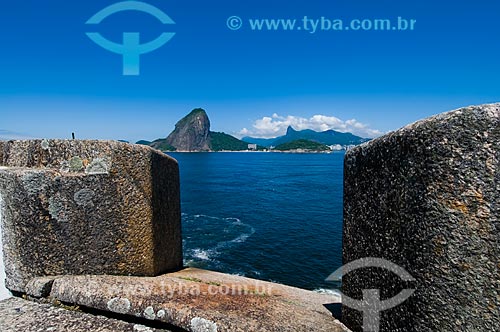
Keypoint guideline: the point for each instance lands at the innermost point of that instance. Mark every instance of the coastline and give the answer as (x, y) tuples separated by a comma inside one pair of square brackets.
[(247, 151)]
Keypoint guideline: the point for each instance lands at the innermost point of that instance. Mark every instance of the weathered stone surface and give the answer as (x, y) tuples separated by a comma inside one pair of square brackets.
[(17, 315), (4, 292), (426, 197), (88, 207), (199, 301), (40, 287)]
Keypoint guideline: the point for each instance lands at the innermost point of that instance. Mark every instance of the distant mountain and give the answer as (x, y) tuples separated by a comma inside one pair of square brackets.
[(329, 137), (302, 144), (192, 133)]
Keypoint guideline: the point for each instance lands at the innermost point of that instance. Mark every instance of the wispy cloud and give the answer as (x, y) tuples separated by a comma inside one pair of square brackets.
[(11, 135), (276, 125)]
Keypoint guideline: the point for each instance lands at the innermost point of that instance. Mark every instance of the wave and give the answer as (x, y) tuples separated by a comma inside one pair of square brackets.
[(202, 254), (206, 237), (242, 238), (334, 292)]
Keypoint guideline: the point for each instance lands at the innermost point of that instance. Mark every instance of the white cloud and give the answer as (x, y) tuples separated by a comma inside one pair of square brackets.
[(276, 125)]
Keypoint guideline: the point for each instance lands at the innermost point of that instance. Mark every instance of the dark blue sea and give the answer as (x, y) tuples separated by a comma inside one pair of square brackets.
[(269, 216)]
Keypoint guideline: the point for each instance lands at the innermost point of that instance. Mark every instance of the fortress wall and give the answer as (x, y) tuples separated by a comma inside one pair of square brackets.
[(426, 198)]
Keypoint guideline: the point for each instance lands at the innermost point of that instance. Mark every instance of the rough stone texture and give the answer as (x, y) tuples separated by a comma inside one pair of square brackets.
[(88, 207), (40, 287), (200, 301), (17, 315), (4, 292), (426, 198)]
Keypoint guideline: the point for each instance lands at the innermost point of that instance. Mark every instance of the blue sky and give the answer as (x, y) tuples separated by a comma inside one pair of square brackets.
[(55, 81)]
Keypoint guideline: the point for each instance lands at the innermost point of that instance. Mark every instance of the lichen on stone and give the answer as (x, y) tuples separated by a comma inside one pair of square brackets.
[(149, 313), (75, 164), (199, 324), (84, 197), (64, 167), (161, 313), (33, 182), (57, 210), (97, 166), (45, 144), (119, 305), (142, 328)]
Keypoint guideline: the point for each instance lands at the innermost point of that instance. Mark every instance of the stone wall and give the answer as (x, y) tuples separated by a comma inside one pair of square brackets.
[(85, 215), (4, 293), (426, 198), (92, 227), (88, 207)]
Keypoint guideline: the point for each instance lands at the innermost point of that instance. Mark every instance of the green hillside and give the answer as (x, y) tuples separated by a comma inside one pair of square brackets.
[(225, 142), (162, 145), (302, 144)]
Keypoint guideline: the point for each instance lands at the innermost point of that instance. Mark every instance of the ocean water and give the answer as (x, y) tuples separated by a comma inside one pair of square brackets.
[(269, 216)]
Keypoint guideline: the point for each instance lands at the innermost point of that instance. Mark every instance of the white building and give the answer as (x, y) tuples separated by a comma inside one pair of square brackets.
[(336, 147)]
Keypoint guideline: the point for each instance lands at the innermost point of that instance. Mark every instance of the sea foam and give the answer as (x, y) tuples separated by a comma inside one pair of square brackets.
[(207, 237), (334, 292)]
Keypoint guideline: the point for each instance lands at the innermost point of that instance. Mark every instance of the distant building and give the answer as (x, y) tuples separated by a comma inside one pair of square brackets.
[(336, 147), (252, 147)]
